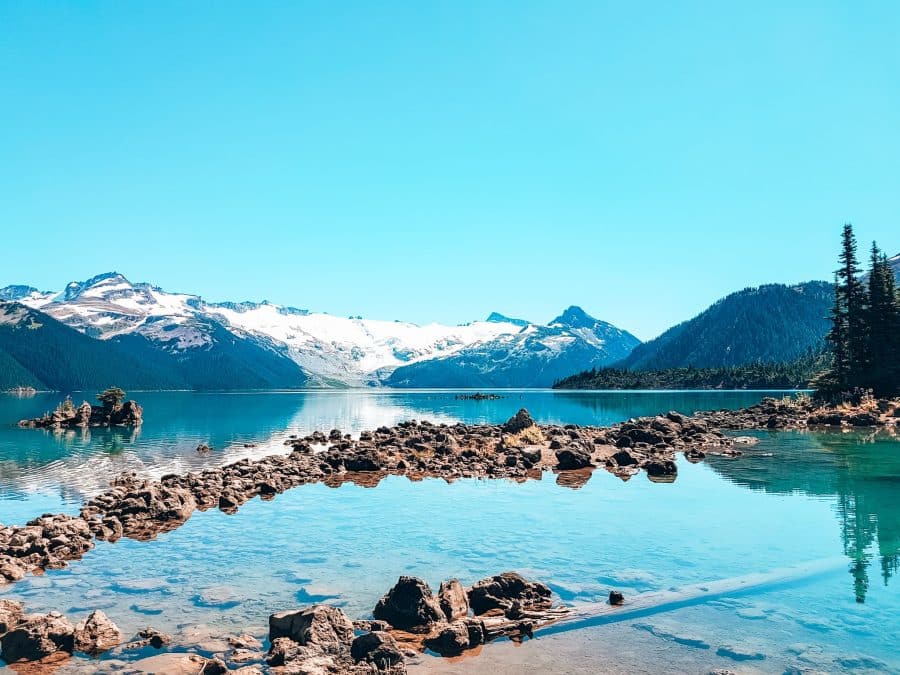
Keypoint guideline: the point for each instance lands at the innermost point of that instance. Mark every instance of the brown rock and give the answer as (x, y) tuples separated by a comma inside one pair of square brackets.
[(11, 613), (327, 628), (96, 634), (38, 636), (453, 599), (409, 605), (501, 590)]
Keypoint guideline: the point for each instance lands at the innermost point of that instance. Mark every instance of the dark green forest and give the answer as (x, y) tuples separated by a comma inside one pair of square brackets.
[(792, 375), (769, 324)]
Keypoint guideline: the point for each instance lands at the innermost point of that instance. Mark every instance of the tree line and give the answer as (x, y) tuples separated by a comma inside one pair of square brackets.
[(786, 375), (864, 338)]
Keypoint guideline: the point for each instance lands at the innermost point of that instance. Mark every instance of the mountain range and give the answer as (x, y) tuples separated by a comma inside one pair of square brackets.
[(109, 329)]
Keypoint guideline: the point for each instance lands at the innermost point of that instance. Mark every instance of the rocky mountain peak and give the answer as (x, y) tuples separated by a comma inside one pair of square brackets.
[(96, 285), (497, 317), (17, 292), (574, 317)]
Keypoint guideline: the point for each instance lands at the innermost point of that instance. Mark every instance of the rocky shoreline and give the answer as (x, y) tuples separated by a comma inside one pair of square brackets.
[(320, 639), (804, 412)]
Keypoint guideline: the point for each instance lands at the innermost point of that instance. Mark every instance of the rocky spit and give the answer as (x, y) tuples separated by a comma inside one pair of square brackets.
[(518, 450), (319, 639), (805, 412)]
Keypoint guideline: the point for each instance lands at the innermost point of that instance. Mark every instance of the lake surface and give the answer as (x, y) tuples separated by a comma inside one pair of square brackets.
[(795, 498)]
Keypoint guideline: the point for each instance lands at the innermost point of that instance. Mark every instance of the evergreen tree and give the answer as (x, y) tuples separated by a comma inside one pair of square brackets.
[(854, 299), (837, 378), (883, 324)]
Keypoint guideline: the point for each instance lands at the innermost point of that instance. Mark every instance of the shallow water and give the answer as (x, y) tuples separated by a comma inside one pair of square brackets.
[(821, 497)]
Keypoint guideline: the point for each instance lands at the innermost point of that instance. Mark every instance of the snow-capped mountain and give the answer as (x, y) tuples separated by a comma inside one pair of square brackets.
[(533, 356), (329, 350)]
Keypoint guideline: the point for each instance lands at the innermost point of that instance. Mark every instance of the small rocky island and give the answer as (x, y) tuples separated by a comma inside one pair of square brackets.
[(113, 411)]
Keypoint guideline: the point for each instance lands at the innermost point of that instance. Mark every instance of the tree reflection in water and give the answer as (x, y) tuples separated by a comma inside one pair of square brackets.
[(861, 471)]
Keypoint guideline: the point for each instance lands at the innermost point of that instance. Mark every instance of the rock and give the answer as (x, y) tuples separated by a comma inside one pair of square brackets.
[(243, 641), (368, 626), (573, 457), (11, 613), (624, 458), (451, 641), (660, 468), (453, 600), (518, 422), (214, 667), (499, 592), (96, 634), (863, 419), (170, 664), (409, 605), (154, 638), (325, 627), (616, 598), (38, 636), (378, 648)]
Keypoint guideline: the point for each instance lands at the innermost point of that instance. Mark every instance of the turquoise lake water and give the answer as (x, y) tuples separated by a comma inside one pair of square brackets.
[(794, 498)]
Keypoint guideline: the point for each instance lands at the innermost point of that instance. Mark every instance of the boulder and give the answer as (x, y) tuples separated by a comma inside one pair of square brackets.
[(11, 614), (573, 456), (661, 468), (501, 590), (518, 422), (624, 458), (96, 634), (409, 605), (863, 419), (154, 638), (214, 666), (378, 648), (321, 626), (451, 641), (38, 636), (453, 600)]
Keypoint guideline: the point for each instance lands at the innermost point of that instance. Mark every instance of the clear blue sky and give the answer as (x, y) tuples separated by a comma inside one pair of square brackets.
[(440, 160)]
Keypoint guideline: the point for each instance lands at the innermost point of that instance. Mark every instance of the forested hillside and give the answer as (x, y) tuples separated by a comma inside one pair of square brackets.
[(770, 324)]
